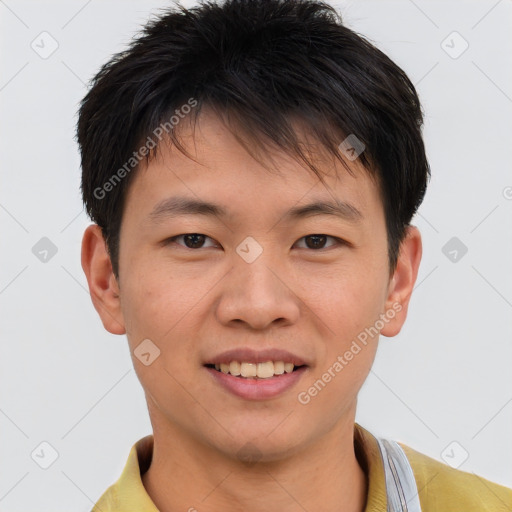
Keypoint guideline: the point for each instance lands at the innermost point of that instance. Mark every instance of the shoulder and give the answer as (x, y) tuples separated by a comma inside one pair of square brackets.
[(108, 501), (441, 487)]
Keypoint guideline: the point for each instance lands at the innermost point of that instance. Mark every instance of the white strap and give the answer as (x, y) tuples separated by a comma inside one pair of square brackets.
[(402, 493)]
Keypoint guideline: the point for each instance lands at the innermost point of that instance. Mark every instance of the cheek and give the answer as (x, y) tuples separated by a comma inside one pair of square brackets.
[(350, 299), (149, 292), (161, 310), (164, 307), (350, 310), (349, 352)]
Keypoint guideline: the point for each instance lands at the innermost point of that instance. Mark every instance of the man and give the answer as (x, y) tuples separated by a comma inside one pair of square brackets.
[(252, 168)]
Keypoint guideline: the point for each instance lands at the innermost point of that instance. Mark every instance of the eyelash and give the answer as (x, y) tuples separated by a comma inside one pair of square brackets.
[(339, 241)]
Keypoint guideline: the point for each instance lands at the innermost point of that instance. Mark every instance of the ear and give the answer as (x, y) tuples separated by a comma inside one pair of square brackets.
[(402, 283), (103, 285)]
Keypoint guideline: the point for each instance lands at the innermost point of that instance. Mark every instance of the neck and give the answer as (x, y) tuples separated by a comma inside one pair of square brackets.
[(190, 476)]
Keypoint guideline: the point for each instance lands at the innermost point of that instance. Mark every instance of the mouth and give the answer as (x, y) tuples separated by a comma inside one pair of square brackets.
[(256, 381)]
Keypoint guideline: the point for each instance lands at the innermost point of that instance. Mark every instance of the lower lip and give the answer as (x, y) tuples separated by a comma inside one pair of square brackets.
[(257, 389)]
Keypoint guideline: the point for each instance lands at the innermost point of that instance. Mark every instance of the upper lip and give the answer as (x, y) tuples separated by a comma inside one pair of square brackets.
[(248, 355)]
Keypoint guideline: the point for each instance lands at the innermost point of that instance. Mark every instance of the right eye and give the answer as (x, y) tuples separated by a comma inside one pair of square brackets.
[(191, 240)]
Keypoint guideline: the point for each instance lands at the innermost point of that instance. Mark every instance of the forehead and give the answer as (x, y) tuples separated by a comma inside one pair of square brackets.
[(224, 177)]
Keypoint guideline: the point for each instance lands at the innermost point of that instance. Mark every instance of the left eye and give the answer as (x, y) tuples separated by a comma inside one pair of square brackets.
[(319, 240), (196, 240)]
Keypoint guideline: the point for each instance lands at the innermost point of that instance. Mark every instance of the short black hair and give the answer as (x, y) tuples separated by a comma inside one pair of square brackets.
[(261, 65)]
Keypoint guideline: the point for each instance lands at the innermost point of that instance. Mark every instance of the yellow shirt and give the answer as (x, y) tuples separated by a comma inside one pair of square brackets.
[(440, 487)]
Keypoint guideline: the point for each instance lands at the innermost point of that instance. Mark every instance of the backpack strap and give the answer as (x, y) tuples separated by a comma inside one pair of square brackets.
[(401, 490)]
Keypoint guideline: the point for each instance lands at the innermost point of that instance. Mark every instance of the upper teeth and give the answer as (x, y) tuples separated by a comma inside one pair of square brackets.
[(260, 370)]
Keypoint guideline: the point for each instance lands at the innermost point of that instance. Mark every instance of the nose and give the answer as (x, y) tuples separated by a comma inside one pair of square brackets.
[(257, 295)]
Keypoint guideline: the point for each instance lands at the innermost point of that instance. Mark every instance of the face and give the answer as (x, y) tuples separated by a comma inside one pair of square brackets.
[(253, 284)]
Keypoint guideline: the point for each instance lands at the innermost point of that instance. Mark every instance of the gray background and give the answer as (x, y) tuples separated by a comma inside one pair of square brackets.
[(66, 381)]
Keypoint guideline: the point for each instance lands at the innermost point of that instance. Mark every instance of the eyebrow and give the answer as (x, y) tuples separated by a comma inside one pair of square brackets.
[(180, 206)]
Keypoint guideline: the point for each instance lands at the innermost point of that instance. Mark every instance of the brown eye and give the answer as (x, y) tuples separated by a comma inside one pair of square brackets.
[(317, 242), (191, 240)]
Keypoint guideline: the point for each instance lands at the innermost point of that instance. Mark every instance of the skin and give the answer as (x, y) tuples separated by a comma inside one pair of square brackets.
[(194, 303)]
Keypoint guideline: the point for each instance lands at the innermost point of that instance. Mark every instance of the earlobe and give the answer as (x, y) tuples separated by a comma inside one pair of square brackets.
[(402, 283), (102, 282)]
